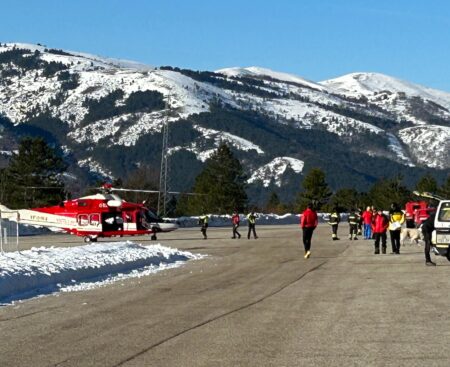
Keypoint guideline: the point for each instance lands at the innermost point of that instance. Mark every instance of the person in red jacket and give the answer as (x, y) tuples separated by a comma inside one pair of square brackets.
[(308, 222), (367, 220), (380, 224), (235, 220)]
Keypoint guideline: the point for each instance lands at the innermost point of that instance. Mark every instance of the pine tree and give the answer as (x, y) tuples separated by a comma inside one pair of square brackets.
[(387, 191), (346, 199), (145, 177), (273, 204), (444, 190), (221, 185), (427, 183), (315, 190), (33, 176)]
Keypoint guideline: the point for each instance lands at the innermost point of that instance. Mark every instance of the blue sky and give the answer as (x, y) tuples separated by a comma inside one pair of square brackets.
[(316, 39)]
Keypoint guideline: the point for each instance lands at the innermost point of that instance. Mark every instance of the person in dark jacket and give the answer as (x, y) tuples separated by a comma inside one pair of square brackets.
[(353, 223), (360, 221), (308, 223), (427, 228), (334, 220), (380, 224)]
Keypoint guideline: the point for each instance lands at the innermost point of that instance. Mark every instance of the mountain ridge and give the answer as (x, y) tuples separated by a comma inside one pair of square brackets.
[(91, 105)]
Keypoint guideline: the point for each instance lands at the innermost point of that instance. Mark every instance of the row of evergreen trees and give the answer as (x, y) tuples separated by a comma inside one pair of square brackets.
[(34, 177)]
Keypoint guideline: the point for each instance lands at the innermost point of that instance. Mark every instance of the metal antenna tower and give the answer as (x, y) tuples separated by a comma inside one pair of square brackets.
[(163, 197)]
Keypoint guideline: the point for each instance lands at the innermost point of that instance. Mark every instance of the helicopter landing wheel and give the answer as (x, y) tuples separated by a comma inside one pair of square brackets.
[(153, 237), (89, 239)]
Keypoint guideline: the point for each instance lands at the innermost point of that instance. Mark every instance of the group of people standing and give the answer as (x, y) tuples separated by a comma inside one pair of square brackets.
[(375, 223), (251, 220), (235, 221), (372, 224)]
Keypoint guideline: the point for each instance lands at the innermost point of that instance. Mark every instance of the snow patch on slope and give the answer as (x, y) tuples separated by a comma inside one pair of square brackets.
[(95, 167), (308, 115), (256, 71), (430, 145), (275, 169), (217, 137), (396, 147), (221, 136), (356, 84)]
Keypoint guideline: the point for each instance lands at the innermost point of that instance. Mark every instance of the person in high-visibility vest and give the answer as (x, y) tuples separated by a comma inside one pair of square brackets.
[(251, 224), (353, 222), (334, 220), (396, 219), (203, 221)]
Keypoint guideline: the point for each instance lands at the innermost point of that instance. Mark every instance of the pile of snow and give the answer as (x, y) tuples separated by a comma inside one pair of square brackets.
[(46, 270)]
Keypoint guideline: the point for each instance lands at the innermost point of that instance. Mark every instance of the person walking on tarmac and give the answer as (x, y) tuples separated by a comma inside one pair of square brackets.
[(308, 223), (380, 223), (396, 219), (360, 221), (251, 217), (353, 222), (334, 220), (367, 220), (427, 228), (203, 221), (235, 220)]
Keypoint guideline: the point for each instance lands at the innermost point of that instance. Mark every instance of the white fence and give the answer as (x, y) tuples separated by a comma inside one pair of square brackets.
[(9, 232)]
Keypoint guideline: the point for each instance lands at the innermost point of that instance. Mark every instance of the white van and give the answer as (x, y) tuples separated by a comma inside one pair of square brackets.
[(441, 235)]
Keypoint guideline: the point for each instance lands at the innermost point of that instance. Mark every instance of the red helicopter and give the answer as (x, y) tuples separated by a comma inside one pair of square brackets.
[(101, 215)]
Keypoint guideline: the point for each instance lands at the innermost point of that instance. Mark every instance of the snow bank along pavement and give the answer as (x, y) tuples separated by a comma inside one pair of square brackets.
[(46, 270), (262, 219)]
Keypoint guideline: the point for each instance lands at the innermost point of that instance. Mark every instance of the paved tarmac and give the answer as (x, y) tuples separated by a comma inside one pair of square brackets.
[(249, 303)]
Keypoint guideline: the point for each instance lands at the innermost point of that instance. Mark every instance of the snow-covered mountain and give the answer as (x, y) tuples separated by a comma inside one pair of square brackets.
[(107, 116)]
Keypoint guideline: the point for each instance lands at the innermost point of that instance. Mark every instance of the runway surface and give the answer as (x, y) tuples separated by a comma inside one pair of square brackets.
[(249, 303)]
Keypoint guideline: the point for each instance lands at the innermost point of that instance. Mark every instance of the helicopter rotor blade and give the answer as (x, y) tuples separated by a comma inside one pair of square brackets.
[(155, 191)]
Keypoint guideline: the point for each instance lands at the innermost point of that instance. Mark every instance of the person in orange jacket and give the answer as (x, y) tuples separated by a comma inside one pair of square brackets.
[(380, 224), (308, 222)]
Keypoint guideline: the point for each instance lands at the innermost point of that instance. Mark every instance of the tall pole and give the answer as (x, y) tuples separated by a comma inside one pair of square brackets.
[(164, 169)]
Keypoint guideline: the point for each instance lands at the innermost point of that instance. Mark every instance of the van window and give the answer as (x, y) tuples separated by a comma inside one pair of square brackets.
[(444, 212)]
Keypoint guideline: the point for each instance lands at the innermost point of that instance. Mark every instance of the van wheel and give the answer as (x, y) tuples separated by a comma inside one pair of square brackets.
[(448, 254)]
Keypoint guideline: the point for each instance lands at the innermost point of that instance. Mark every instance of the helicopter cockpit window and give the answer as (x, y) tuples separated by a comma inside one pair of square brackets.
[(151, 217), (444, 213), (83, 220), (82, 203)]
